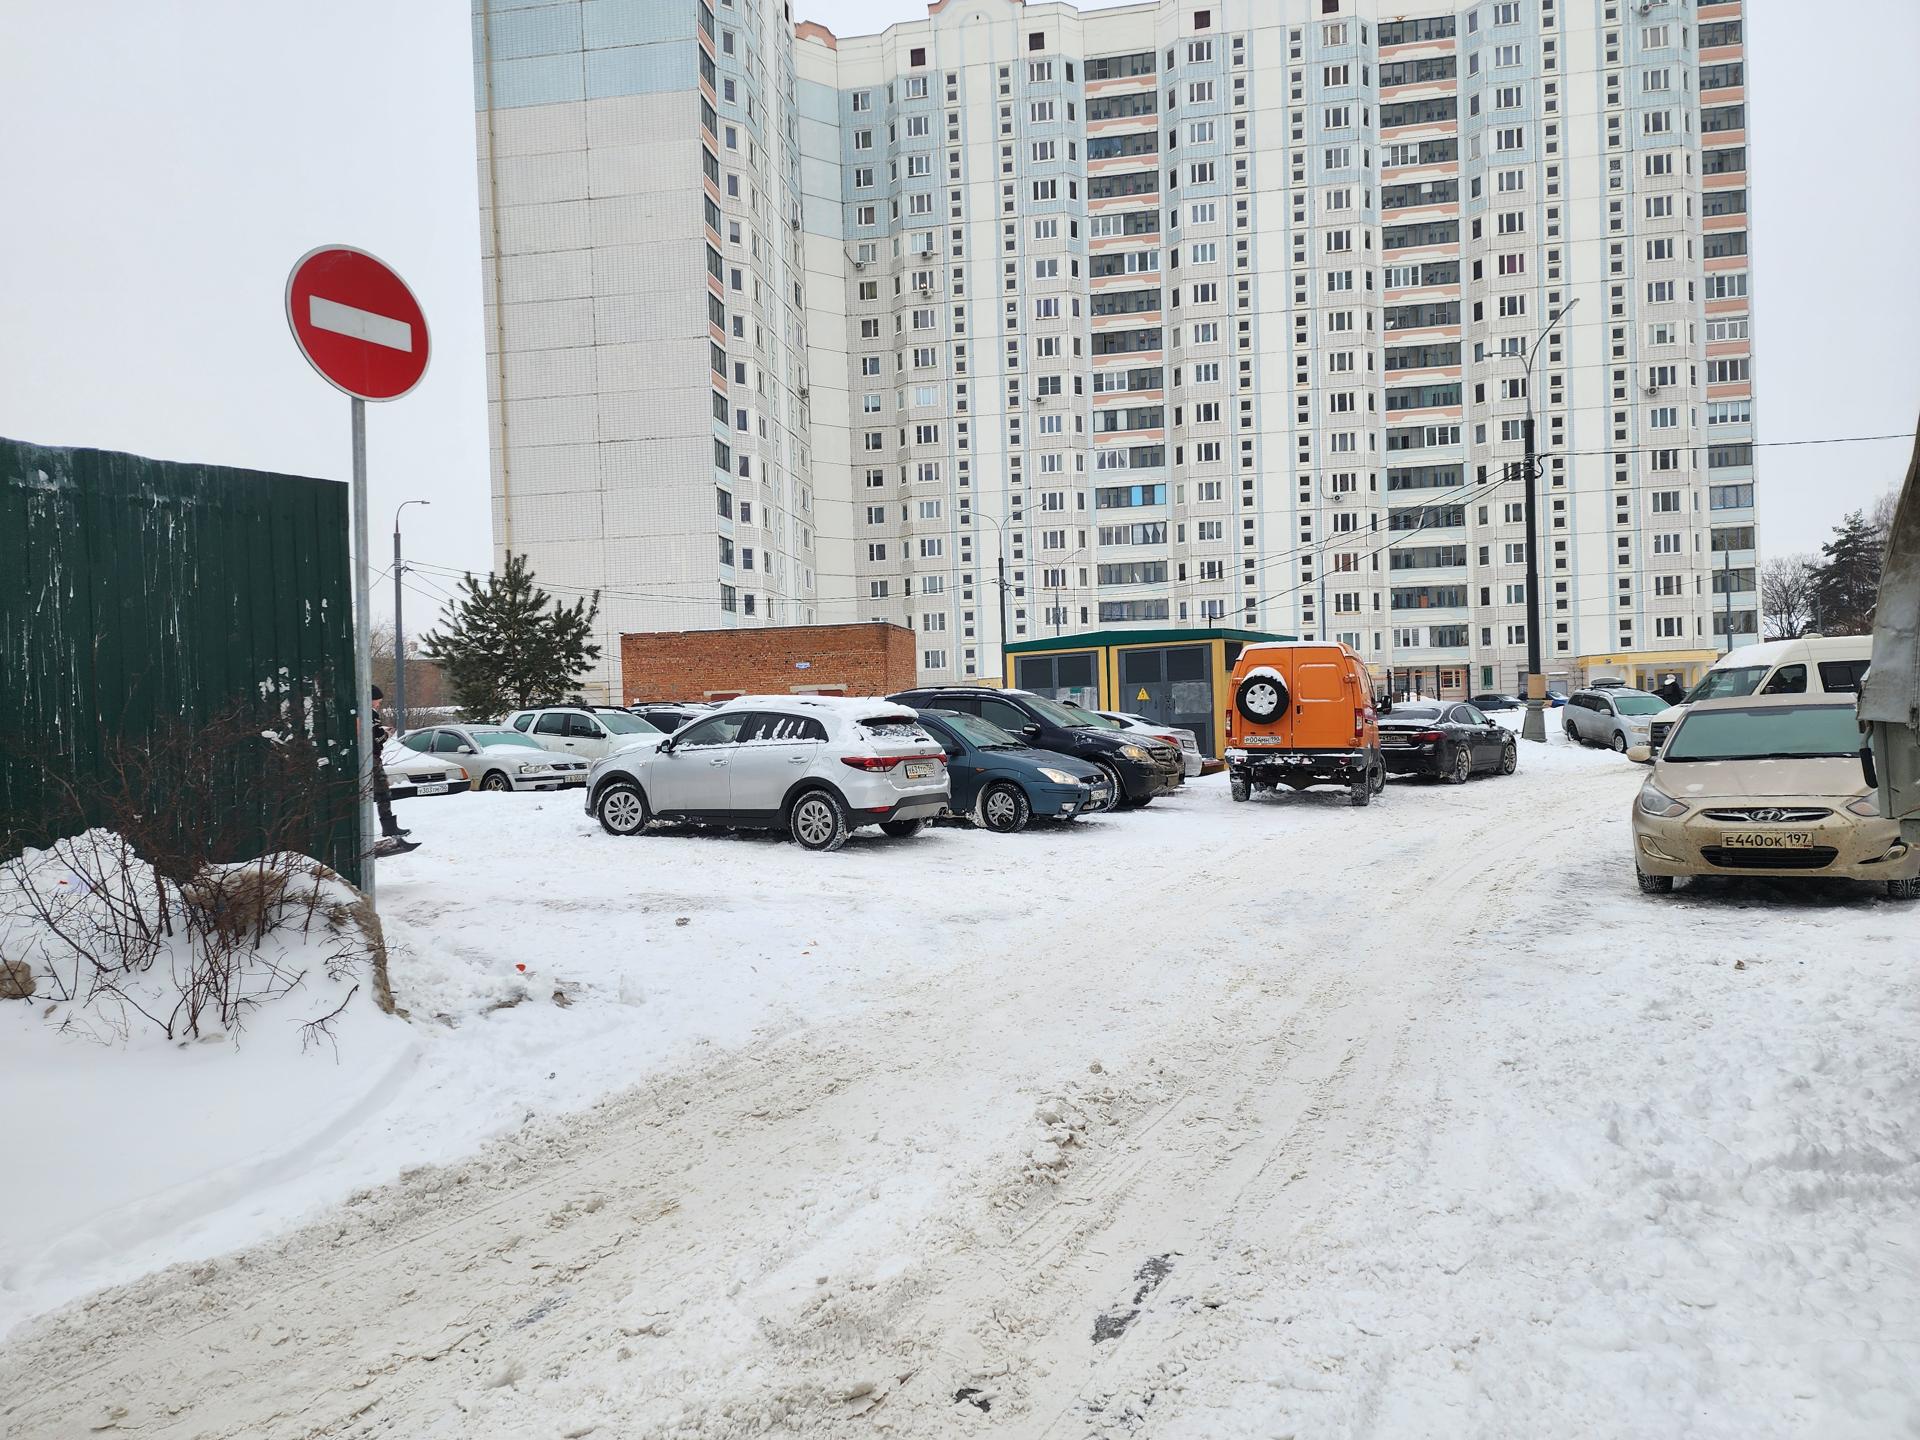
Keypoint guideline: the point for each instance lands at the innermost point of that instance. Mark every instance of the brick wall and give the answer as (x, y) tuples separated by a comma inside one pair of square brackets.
[(868, 659)]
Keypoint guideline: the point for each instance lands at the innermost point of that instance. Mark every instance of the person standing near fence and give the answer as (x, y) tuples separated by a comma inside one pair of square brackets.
[(394, 838)]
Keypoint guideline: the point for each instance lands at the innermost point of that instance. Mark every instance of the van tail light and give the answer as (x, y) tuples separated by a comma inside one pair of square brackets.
[(1362, 719)]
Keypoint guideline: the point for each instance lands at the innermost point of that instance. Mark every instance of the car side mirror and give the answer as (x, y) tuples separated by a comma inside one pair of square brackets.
[(466, 750), (1383, 706), (1031, 732), (1640, 754)]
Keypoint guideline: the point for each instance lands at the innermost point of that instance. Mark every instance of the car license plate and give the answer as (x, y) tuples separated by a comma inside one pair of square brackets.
[(1767, 839), (439, 787), (919, 769)]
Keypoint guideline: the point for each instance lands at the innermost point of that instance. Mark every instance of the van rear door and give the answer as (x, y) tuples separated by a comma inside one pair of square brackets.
[(1322, 700)]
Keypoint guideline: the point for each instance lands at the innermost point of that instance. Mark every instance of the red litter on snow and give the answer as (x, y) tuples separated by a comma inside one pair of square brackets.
[(520, 967)]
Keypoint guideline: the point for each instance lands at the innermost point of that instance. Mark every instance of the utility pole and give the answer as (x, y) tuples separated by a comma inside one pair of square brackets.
[(1534, 725), (399, 630), (1006, 679)]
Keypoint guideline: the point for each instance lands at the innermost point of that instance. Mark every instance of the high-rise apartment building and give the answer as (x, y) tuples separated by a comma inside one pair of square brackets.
[(1166, 315)]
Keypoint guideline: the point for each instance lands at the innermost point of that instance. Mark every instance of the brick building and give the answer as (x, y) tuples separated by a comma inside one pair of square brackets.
[(871, 658)]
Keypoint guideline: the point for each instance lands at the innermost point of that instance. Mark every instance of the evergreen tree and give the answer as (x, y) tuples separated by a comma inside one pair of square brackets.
[(508, 644), (1846, 581)]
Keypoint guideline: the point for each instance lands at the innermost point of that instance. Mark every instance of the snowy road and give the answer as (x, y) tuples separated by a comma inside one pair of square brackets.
[(1210, 1120)]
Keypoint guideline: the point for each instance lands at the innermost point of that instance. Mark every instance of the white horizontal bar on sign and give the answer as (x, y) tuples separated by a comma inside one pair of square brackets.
[(361, 324)]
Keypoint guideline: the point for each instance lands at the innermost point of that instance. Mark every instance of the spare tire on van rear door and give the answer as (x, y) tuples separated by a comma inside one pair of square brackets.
[(1262, 697)]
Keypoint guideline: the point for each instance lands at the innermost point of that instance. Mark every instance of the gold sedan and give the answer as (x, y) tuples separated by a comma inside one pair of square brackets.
[(1766, 785)]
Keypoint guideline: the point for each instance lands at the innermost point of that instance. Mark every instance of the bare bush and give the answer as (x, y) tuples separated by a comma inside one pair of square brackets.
[(143, 914)]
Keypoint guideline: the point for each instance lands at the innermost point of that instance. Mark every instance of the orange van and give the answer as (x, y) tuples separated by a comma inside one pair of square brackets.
[(1303, 715)]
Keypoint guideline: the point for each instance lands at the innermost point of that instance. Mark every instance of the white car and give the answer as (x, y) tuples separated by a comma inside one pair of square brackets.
[(816, 766), (410, 773), (586, 734), (497, 758), (1811, 665), (1188, 742)]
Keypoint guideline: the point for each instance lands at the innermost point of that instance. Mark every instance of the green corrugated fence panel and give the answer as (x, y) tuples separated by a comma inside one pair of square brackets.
[(137, 592)]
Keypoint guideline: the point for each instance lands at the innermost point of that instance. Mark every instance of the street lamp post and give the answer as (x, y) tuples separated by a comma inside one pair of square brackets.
[(1534, 725), (1006, 681), (399, 633)]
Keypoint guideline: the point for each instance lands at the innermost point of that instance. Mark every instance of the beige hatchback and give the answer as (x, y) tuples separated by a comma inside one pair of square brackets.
[(1766, 785)]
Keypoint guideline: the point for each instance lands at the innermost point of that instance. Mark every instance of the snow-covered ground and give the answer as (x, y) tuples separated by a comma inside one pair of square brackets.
[(1213, 1119)]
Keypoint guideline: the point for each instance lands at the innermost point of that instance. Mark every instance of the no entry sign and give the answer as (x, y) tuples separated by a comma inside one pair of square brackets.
[(357, 323)]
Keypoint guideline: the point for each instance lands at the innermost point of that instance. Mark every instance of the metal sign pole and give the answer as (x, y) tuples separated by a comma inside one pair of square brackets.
[(363, 648)]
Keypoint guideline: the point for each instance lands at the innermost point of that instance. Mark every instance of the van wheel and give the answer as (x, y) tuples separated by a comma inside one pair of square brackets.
[(1262, 698), (1572, 734), (1904, 889), (1462, 768), (1653, 884), (818, 821), (1618, 743), (1116, 792), (621, 809), (1002, 808), (1362, 793), (1239, 787)]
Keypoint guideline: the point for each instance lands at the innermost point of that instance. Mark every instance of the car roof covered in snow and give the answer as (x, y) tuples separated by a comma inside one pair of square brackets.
[(851, 707)]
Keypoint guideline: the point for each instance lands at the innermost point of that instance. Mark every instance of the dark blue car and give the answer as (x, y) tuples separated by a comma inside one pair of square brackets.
[(1002, 782)]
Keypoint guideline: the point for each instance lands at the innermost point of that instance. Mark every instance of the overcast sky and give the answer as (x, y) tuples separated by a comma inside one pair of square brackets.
[(166, 161)]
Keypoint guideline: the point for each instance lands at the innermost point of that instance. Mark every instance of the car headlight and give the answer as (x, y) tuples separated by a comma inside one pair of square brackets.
[(1867, 805), (1658, 802), (530, 767), (1059, 777), (1136, 752)]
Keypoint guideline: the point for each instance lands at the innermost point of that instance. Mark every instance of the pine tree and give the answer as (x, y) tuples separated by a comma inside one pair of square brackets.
[(1846, 581), (508, 644)]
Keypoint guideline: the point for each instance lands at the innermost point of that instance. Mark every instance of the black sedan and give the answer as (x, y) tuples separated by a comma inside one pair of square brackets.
[(1496, 702), (1446, 739)]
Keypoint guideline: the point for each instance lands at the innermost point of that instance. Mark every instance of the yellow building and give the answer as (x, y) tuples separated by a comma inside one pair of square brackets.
[(1173, 677)]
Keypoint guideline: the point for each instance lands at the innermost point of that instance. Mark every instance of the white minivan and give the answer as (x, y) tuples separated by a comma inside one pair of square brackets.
[(1811, 665)]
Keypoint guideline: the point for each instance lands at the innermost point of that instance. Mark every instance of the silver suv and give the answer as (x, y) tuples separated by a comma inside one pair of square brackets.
[(1611, 715), (818, 767)]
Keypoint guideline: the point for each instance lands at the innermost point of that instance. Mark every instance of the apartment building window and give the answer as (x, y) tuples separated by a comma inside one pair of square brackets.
[(1506, 56), (1657, 122), (1730, 371), (1510, 138), (933, 659)]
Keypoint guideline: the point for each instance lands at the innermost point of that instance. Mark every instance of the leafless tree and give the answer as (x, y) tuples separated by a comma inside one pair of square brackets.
[(1786, 595)]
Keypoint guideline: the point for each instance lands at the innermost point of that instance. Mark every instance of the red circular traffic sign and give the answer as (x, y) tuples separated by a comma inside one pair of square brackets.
[(357, 323)]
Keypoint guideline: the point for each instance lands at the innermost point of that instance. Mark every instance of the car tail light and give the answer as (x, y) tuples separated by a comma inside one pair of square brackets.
[(872, 762), (1428, 737), (1173, 740)]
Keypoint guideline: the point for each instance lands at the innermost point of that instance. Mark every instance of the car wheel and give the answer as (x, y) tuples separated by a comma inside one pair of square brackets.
[(818, 821), (1262, 698), (1904, 889), (1462, 768), (1003, 809), (1116, 792), (901, 829), (1653, 884), (1619, 742), (622, 809), (495, 781), (1509, 758), (1572, 734)]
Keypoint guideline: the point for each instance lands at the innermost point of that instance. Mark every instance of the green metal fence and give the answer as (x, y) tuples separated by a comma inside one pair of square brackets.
[(142, 596)]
